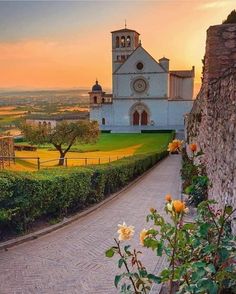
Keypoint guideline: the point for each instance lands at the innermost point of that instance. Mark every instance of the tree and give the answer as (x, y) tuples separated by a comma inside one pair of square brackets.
[(231, 17), (63, 136)]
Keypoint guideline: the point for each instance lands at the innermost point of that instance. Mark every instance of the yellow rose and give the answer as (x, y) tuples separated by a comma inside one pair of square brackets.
[(143, 234), (169, 206), (175, 145), (168, 197), (193, 147), (125, 232), (178, 206)]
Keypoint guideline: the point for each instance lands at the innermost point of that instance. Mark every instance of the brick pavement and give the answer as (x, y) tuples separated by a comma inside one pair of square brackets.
[(71, 260)]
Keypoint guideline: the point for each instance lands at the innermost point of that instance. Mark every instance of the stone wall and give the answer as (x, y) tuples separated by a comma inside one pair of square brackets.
[(212, 121)]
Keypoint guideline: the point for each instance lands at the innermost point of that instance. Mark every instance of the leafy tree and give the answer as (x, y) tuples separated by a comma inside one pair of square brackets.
[(231, 17), (63, 136)]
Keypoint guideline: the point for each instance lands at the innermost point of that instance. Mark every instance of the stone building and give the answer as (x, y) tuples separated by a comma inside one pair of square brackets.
[(51, 121), (146, 94)]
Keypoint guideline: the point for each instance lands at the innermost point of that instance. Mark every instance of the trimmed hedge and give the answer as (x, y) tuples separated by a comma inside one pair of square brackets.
[(26, 197)]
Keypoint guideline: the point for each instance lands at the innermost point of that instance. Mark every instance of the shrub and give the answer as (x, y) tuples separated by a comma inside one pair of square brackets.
[(201, 254), (26, 197), (195, 181)]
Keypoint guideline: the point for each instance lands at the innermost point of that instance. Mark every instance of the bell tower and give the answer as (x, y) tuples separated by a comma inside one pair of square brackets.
[(124, 42)]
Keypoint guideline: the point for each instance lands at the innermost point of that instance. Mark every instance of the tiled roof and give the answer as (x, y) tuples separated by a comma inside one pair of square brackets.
[(125, 30)]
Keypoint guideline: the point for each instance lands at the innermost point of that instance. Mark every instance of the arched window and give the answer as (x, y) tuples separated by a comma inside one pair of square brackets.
[(49, 125), (103, 121), (144, 118), (122, 41), (44, 124), (95, 100), (122, 57), (117, 42), (40, 124), (103, 100), (128, 41), (136, 118)]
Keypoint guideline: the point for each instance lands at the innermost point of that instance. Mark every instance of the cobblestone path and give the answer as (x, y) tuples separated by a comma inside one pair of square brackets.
[(71, 260)]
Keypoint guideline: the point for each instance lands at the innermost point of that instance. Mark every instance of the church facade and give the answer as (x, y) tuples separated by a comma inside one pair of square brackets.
[(146, 94)]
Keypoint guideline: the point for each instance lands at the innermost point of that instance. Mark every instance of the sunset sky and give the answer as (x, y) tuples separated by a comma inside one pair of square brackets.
[(63, 44)]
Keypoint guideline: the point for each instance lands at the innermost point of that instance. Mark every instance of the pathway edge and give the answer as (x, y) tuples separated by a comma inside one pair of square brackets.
[(67, 221)]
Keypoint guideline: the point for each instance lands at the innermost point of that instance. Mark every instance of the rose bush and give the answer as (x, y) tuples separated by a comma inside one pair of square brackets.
[(201, 254)]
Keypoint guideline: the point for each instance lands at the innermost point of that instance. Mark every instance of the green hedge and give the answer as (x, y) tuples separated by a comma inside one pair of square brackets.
[(26, 197)]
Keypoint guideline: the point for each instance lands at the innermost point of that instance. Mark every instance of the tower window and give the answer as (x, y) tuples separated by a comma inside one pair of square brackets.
[(103, 121), (122, 41), (117, 42), (128, 40), (95, 100), (122, 57)]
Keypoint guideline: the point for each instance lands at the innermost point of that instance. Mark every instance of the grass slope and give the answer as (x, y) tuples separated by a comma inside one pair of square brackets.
[(107, 142)]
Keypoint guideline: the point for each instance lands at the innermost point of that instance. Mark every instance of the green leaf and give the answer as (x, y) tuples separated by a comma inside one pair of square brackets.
[(228, 210), (199, 264), (117, 280), (210, 268), (160, 246), (120, 262), (198, 275), (190, 226), (208, 286), (149, 242), (126, 248), (154, 278), (209, 248), (224, 253), (203, 230), (110, 252)]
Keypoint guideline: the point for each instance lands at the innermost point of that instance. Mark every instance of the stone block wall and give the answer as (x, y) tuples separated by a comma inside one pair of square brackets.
[(212, 121)]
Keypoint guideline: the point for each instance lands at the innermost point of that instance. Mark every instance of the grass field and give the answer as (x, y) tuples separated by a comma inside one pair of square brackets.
[(109, 147)]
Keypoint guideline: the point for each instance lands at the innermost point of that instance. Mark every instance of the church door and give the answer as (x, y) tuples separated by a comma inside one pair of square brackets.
[(136, 118), (144, 118)]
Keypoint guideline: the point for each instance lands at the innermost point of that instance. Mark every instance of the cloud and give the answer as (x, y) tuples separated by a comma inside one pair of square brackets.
[(213, 5)]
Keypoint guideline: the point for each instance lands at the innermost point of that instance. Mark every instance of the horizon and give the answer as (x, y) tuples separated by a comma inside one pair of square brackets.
[(60, 45)]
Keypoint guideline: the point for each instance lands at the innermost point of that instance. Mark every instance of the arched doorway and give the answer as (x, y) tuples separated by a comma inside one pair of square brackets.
[(144, 118), (136, 118), (139, 114)]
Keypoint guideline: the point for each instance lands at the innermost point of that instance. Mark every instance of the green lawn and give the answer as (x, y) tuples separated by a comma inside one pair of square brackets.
[(149, 142)]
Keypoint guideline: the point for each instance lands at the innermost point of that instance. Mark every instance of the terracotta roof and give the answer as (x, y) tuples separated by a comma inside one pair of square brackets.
[(182, 73), (125, 30)]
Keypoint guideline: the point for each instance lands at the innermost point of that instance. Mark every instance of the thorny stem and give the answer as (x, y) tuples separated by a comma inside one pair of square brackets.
[(211, 215), (126, 265), (139, 266), (221, 232), (173, 258), (219, 236)]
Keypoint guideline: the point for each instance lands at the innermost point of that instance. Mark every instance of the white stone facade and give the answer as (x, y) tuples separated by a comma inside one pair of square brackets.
[(145, 93)]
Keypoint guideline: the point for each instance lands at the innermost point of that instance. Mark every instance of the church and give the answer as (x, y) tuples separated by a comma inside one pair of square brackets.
[(146, 94)]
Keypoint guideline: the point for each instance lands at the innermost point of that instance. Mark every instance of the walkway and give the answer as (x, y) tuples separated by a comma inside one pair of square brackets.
[(71, 260)]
